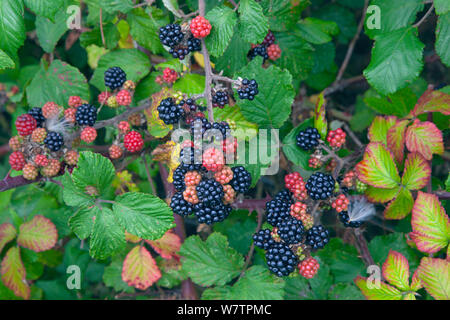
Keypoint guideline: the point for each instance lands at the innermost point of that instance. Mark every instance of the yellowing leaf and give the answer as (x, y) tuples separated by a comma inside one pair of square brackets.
[(320, 120), (7, 234), (435, 276), (425, 138), (38, 234), (417, 172), (168, 246), (401, 206), (156, 126), (379, 128), (13, 273), (383, 292), (396, 270), (432, 101), (396, 139), (381, 195), (140, 269)]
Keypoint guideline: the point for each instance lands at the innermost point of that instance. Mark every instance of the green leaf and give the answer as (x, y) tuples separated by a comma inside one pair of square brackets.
[(7, 234), (45, 8), (344, 18), (234, 57), (223, 20), (5, 61), (143, 215), (401, 206), (49, 32), (82, 221), (398, 104), (172, 6), (435, 276), (135, 64), (443, 38), (316, 31), (253, 25), (111, 6), (190, 83), (383, 292), (362, 117), (13, 273), (380, 127), (74, 196), (295, 154), (442, 6), (300, 288), (396, 60), (343, 291), (320, 119), (13, 26), (210, 262), (108, 237), (140, 269), (282, 14), (272, 105), (94, 36), (57, 84), (233, 116), (112, 277)]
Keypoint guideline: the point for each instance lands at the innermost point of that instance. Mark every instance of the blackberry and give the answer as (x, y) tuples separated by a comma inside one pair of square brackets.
[(284, 195), (210, 214), (242, 179), (263, 239), (317, 237), (36, 113), (220, 99), (54, 141), (277, 211), (194, 44), (320, 186), (210, 191), (169, 112), (248, 89), (308, 138), (179, 52), (178, 178), (269, 39), (200, 127), (191, 104), (180, 206), (86, 115), (171, 35), (345, 219), (291, 230), (115, 77), (258, 51), (191, 159), (281, 260)]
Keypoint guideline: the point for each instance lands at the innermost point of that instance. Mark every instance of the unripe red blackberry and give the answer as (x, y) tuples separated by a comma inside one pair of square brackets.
[(274, 52), (123, 98), (124, 127), (229, 194), (71, 157), (341, 203), (200, 27), (336, 138), (129, 85), (192, 179), (75, 101), (115, 152), (349, 179), (17, 160), (314, 162), (103, 97), (52, 169), (15, 143), (213, 159), (69, 115), (30, 172), (224, 175), (190, 195), (308, 267), (135, 119), (133, 141), (298, 208), (169, 75), (294, 182), (41, 160), (88, 134), (25, 124), (39, 135), (51, 110)]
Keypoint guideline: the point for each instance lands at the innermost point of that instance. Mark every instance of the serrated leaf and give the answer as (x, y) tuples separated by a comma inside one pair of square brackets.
[(140, 269), (5, 61), (401, 206), (14, 274), (399, 103), (282, 14), (49, 32), (417, 172), (378, 168), (442, 6), (134, 62), (295, 154), (343, 291), (38, 234), (94, 37), (172, 6), (45, 8), (432, 101), (435, 276), (108, 237), (190, 83), (210, 262), (396, 60), (111, 6), (443, 38), (57, 84), (82, 221), (343, 17), (13, 26), (112, 277), (384, 292), (396, 139), (7, 234), (223, 20), (430, 224), (424, 138), (396, 270), (234, 57), (143, 215), (253, 25), (320, 120), (233, 116), (168, 246), (300, 288), (74, 196), (272, 105), (381, 195), (379, 128), (316, 31)]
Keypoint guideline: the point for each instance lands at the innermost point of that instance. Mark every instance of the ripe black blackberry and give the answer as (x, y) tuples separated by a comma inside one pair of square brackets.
[(180, 206), (200, 127), (269, 39), (277, 210), (36, 113), (345, 219), (194, 44), (86, 115), (179, 51), (320, 186), (210, 191), (317, 237), (281, 260), (171, 35), (263, 239), (291, 230), (178, 178), (191, 159), (54, 141), (169, 112), (115, 77), (308, 139), (220, 99), (258, 51), (210, 214), (284, 195), (248, 89), (191, 104), (242, 179)]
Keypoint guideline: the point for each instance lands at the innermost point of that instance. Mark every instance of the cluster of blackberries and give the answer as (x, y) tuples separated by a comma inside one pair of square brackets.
[(171, 35), (259, 50), (54, 141), (180, 44), (36, 113), (86, 115), (320, 186), (115, 77), (169, 111), (203, 129), (248, 89), (242, 179), (220, 99), (317, 237), (308, 139)]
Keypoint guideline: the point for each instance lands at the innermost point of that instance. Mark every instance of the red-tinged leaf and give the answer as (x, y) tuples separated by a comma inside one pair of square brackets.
[(430, 224), (379, 128), (401, 206), (396, 139), (432, 101), (425, 138), (168, 246), (435, 276), (383, 292), (140, 269), (131, 238), (409, 296), (381, 195), (320, 120), (378, 168), (416, 284), (14, 274), (7, 234), (38, 234), (396, 270), (417, 172)]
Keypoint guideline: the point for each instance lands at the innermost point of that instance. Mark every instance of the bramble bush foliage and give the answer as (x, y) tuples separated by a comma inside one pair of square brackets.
[(290, 149)]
